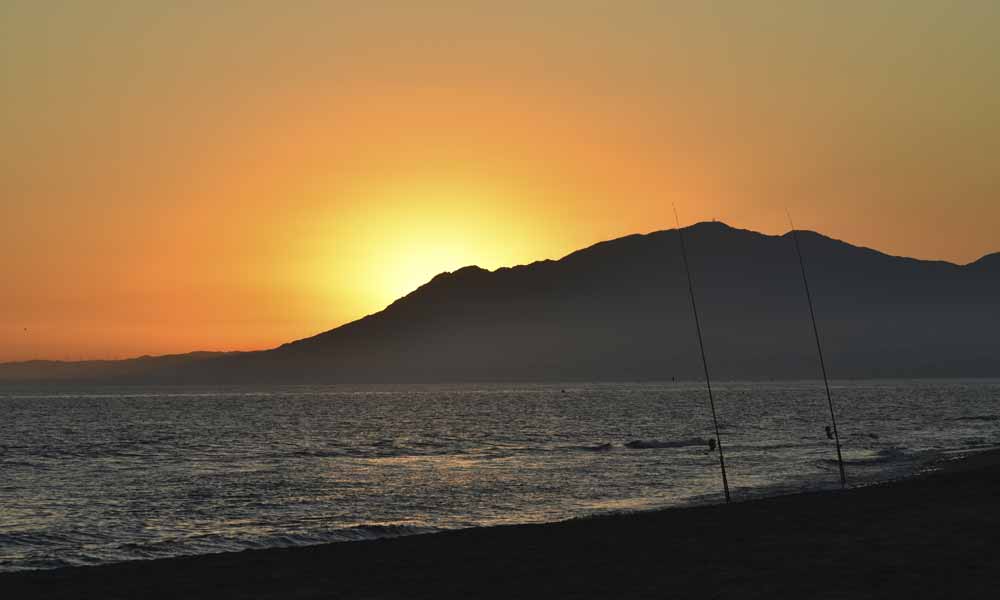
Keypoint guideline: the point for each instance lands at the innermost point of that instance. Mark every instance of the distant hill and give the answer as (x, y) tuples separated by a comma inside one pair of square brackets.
[(102, 370), (619, 310)]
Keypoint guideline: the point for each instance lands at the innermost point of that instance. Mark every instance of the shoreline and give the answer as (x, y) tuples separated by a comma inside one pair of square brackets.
[(740, 495), (928, 535)]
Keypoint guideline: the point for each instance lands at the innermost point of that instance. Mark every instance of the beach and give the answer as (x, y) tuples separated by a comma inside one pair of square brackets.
[(929, 536)]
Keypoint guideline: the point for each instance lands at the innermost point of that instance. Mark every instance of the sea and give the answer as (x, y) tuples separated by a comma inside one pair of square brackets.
[(95, 476)]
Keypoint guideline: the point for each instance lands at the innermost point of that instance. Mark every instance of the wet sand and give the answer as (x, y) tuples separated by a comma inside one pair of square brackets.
[(932, 536)]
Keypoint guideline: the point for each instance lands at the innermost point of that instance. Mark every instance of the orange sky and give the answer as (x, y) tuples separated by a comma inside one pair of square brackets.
[(234, 175)]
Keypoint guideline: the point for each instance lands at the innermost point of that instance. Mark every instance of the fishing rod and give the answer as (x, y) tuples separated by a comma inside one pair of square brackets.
[(704, 361), (819, 350)]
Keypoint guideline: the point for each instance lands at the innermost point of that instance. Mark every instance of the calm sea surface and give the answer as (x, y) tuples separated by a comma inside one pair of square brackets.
[(97, 476)]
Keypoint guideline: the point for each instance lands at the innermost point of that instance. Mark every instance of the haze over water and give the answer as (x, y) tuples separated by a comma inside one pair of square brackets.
[(98, 476)]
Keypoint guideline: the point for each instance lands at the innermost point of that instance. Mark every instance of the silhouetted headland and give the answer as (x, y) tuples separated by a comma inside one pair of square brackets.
[(618, 311)]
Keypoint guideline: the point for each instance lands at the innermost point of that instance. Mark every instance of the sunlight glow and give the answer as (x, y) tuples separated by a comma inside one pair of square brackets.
[(400, 236)]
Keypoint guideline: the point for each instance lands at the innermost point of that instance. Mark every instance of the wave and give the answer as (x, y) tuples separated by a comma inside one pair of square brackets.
[(885, 455), (315, 454), (776, 446), (986, 418), (29, 550), (650, 444), (597, 448)]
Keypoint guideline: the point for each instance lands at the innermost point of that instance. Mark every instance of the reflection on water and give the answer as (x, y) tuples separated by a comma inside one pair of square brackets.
[(91, 477)]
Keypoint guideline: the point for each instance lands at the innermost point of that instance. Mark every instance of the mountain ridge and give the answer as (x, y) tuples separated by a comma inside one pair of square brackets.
[(618, 309)]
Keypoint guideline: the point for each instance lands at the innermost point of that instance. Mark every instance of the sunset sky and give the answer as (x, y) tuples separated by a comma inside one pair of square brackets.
[(179, 176)]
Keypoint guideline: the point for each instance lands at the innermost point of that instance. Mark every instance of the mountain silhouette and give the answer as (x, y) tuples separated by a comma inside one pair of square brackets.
[(619, 310)]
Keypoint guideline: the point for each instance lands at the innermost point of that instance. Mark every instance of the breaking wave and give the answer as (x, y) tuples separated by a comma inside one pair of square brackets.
[(651, 444)]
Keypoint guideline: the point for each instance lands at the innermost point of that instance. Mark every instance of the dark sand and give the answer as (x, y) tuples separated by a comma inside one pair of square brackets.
[(933, 536)]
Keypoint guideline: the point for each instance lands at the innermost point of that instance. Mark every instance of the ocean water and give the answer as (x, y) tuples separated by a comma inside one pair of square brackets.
[(98, 476)]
